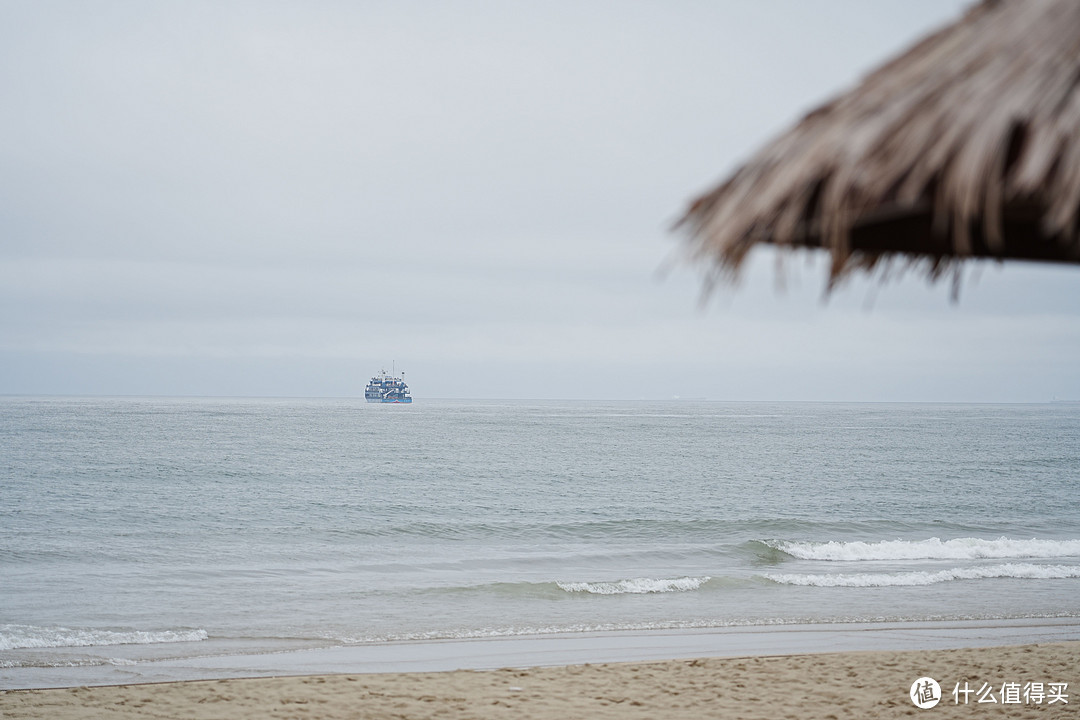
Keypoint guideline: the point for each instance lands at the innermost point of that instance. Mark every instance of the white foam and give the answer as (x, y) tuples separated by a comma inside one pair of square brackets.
[(635, 586), (931, 549), (14, 637), (576, 628), (1023, 571)]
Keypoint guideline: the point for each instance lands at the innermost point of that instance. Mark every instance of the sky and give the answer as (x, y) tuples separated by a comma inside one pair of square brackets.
[(282, 198)]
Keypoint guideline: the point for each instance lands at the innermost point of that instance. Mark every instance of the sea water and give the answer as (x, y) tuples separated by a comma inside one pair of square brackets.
[(136, 529)]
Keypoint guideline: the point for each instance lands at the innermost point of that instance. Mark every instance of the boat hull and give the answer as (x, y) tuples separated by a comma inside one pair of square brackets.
[(389, 389)]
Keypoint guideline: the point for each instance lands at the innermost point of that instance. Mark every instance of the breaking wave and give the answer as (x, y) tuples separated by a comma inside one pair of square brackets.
[(637, 586), (1023, 571), (15, 637), (932, 549)]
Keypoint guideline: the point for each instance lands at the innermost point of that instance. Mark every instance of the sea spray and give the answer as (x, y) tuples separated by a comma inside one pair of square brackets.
[(14, 637), (635, 586), (917, 578), (966, 548)]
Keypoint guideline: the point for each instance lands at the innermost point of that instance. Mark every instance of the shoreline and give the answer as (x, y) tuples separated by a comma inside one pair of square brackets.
[(823, 686), (562, 649)]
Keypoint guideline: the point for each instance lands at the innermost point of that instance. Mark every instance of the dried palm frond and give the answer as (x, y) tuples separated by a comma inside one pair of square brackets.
[(967, 145)]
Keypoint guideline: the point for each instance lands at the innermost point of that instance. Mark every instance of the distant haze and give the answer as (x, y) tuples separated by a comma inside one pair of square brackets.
[(282, 198)]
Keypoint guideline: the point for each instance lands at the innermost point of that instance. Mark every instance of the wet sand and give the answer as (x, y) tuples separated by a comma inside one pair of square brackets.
[(867, 684)]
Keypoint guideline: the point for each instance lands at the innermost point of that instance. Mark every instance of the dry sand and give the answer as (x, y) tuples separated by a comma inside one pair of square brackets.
[(826, 686)]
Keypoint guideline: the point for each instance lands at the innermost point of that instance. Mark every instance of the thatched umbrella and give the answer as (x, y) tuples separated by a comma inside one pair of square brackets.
[(967, 145)]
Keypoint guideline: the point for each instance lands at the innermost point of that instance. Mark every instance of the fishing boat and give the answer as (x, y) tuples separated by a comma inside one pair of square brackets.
[(387, 388)]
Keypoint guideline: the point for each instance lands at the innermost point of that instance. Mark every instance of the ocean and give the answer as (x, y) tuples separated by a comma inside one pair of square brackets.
[(139, 529)]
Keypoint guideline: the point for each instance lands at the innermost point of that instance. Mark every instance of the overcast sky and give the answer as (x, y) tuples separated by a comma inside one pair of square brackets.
[(280, 198)]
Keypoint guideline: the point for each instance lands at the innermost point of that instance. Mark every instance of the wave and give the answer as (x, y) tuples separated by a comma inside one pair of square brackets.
[(16, 637), (581, 628), (567, 530), (687, 624), (635, 586), (1023, 571), (38, 662), (968, 548)]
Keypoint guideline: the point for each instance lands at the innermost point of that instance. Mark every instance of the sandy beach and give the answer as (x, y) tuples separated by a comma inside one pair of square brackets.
[(830, 685)]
